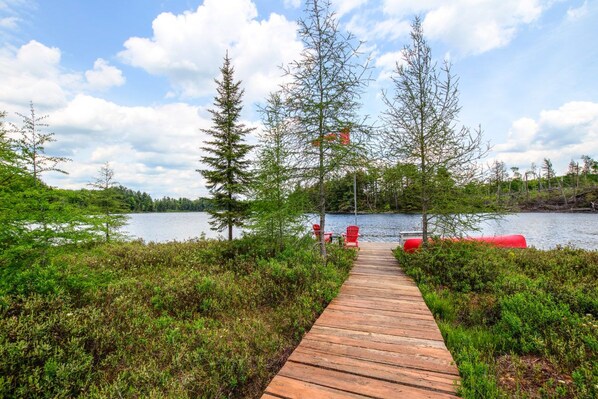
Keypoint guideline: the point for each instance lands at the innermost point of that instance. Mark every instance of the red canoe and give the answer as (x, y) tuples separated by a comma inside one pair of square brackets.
[(512, 241)]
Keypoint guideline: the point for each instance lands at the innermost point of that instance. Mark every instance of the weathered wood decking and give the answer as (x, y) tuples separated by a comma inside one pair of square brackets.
[(377, 339)]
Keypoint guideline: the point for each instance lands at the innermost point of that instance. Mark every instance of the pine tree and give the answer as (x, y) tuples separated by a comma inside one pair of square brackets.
[(227, 176)]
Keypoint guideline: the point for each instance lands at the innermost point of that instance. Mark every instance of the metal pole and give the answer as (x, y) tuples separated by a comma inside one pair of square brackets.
[(355, 195)]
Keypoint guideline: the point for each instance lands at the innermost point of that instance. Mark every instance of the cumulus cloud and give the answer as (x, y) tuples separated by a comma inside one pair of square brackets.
[(560, 134), (32, 73), (103, 75), (188, 48), (155, 148), (387, 64), (470, 26)]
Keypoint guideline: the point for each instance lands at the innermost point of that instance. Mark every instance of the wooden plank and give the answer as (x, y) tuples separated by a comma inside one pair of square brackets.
[(365, 292), (431, 380), (357, 384), (348, 332), (398, 303), (407, 309), (290, 388), (372, 319), (390, 281), (419, 362), (399, 347), (399, 331)]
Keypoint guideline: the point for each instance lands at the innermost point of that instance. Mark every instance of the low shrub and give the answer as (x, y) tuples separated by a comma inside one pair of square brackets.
[(208, 319), (507, 314)]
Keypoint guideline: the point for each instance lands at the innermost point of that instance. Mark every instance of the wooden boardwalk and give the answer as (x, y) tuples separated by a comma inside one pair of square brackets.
[(377, 339)]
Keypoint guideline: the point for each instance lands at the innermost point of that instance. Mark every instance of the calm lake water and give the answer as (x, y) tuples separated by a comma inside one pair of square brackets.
[(542, 230)]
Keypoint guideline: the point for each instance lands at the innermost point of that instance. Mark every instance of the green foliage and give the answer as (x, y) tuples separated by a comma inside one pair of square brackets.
[(322, 99), (514, 304), (197, 319), (227, 175), (35, 217), (168, 204), (421, 129), (109, 204), (277, 209), (136, 201)]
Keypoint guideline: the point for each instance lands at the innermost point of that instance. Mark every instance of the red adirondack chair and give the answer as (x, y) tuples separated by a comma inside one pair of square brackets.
[(351, 236), (327, 235)]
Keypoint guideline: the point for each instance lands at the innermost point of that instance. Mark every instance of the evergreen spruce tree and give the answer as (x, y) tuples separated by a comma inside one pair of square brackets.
[(227, 174)]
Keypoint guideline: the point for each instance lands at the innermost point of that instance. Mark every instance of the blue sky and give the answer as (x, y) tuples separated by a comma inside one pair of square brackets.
[(130, 82)]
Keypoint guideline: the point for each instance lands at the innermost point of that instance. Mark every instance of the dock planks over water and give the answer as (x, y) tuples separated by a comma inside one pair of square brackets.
[(376, 339)]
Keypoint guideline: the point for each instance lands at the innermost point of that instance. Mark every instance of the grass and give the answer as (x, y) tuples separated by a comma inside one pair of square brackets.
[(206, 319), (519, 323)]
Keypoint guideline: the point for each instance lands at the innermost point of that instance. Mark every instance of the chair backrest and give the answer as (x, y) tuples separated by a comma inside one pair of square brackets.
[(352, 233), (316, 230)]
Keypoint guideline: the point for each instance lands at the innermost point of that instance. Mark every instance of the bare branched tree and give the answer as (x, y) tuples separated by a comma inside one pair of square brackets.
[(31, 145), (109, 202), (322, 98), (421, 128)]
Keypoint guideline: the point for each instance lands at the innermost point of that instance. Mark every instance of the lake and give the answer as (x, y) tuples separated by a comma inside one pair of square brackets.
[(542, 230)]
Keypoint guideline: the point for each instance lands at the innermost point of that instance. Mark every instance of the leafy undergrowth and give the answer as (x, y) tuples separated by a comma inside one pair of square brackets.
[(519, 323), (207, 319)]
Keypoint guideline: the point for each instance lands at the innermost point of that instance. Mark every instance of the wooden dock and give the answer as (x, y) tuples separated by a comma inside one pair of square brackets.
[(377, 339)]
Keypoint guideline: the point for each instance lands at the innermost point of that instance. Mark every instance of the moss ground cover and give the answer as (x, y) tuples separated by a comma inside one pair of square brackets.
[(519, 323), (197, 319)]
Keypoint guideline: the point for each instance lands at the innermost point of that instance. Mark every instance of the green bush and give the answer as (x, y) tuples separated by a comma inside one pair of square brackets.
[(494, 303), (205, 319)]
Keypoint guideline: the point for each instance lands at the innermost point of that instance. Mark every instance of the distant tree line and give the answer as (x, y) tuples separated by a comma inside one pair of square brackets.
[(540, 188), (137, 201), (384, 188)]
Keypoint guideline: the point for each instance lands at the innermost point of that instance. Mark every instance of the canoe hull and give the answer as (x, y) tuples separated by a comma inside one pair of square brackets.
[(510, 241)]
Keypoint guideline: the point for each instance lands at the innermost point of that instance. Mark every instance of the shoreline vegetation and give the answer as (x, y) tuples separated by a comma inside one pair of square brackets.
[(519, 323), (208, 318), (201, 318)]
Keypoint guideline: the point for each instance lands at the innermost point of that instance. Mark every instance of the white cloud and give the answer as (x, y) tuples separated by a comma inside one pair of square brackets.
[(32, 73), (387, 63), (343, 7), (188, 48), (103, 75), (560, 134), (573, 14), (9, 22), (292, 3), (152, 148), (471, 26)]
